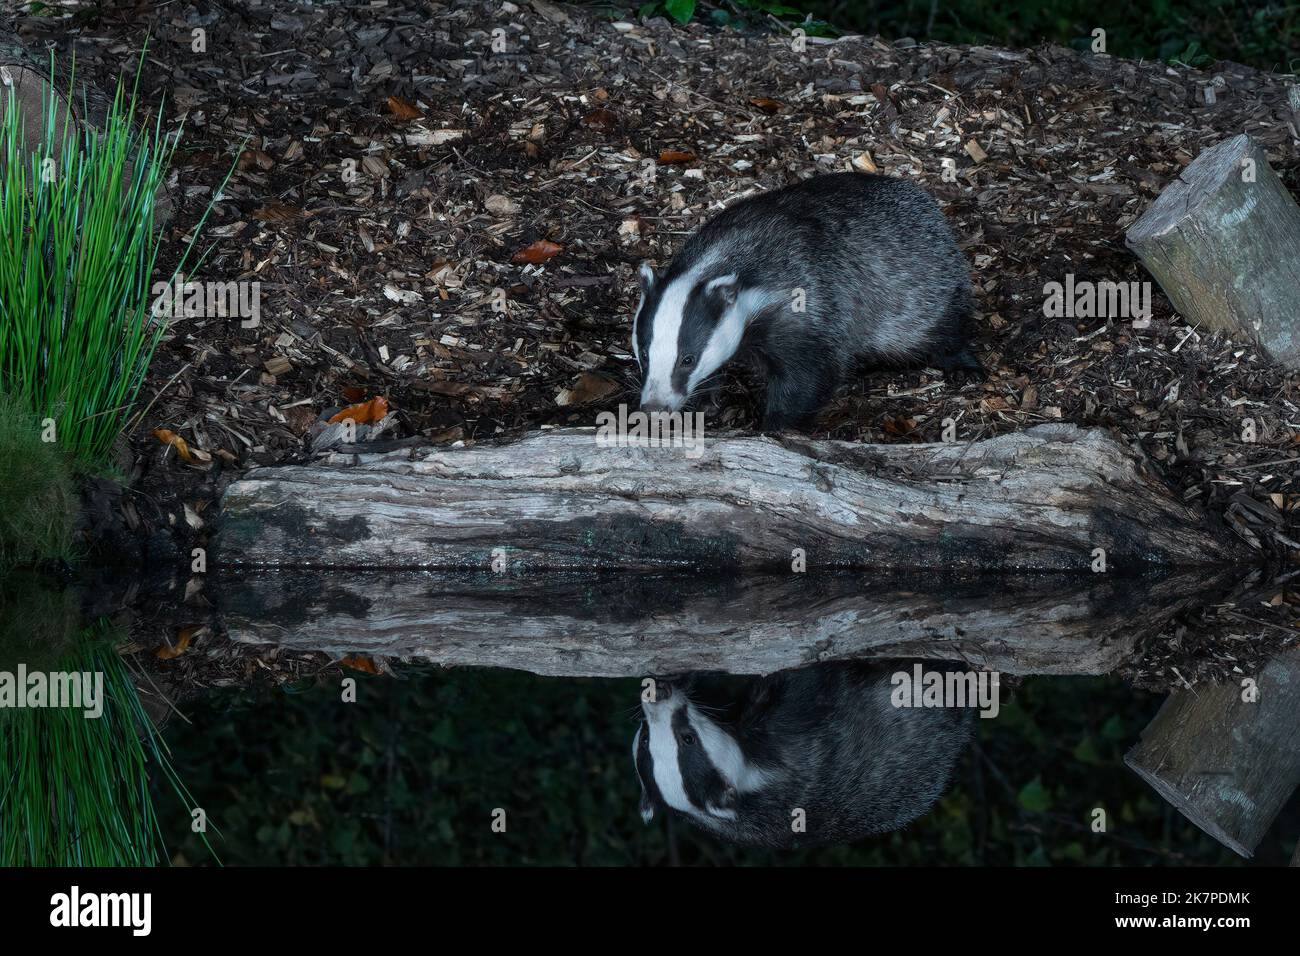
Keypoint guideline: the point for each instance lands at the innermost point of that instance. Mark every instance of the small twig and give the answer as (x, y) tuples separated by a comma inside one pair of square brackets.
[(135, 422)]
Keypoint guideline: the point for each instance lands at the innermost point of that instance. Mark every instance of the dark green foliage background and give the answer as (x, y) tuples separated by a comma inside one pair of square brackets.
[(411, 773), (1265, 35)]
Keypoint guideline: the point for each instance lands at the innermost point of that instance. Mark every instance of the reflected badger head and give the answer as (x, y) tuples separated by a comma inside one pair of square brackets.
[(801, 758), (688, 761)]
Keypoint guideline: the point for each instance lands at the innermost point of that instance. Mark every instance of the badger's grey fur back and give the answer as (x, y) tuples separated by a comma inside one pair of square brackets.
[(825, 739), (881, 279)]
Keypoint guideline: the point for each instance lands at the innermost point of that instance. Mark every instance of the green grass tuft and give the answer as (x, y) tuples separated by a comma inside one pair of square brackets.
[(75, 790), (78, 249)]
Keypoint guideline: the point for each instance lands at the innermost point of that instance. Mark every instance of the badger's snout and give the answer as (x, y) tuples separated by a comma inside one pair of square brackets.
[(655, 402), (663, 694)]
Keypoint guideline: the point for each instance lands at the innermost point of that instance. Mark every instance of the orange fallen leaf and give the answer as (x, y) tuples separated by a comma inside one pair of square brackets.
[(767, 105), (900, 426), (359, 663), (251, 158), (539, 251), (277, 212), (402, 109), (169, 437), (590, 387), (670, 156), (180, 647), (363, 413)]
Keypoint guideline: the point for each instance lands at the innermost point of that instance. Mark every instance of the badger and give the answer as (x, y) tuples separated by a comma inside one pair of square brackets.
[(825, 740), (808, 282)]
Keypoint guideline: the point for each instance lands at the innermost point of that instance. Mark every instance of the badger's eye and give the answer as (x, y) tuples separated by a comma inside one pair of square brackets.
[(688, 361), (688, 739)]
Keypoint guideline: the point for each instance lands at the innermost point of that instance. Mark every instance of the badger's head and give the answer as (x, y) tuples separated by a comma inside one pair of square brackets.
[(686, 328), (687, 761)]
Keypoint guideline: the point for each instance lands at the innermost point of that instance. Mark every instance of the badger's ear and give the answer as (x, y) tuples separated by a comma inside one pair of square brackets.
[(727, 287), (647, 807), (648, 277)]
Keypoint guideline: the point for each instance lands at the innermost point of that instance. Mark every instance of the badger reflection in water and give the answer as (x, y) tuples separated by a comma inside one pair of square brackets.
[(800, 758)]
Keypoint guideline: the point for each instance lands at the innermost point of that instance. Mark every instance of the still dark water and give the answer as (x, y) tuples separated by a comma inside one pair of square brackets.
[(475, 764), (413, 771)]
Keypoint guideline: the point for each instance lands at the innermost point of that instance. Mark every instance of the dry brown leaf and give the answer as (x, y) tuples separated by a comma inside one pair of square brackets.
[(359, 662), (540, 251), (589, 388), (403, 110), (767, 105), (601, 119), (180, 647), (864, 163), (364, 413), (277, 212), (169, 437), (255, 158), (676, 156)]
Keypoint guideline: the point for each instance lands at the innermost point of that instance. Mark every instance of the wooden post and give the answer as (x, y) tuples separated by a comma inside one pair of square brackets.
[(1225, 763), (1222, 240)]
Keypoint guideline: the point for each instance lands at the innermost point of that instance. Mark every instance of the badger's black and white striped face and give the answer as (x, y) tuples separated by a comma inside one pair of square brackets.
[(689, 762), (684, 330)]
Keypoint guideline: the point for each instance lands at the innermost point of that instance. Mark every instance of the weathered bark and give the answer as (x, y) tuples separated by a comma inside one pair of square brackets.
[(1224, 248), (624, 625), (1227, 764), (1041, 500)]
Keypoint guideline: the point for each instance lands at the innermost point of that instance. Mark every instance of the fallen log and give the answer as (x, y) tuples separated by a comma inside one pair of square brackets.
[(1227, 762), (1053, 498), (631, 625), (1221, 240)]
